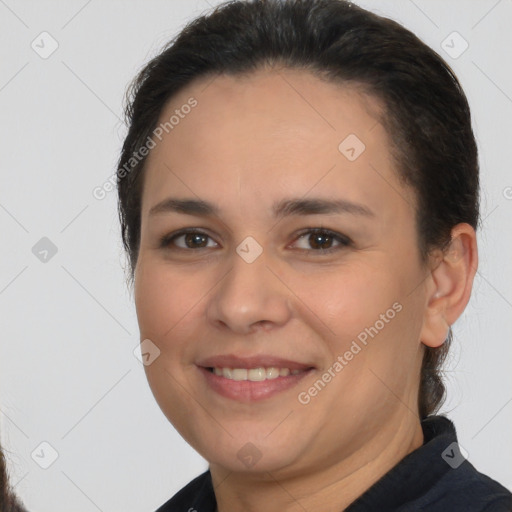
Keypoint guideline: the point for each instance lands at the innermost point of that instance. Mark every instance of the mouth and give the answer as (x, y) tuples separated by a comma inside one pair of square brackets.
[(253, 374), (252, 379)]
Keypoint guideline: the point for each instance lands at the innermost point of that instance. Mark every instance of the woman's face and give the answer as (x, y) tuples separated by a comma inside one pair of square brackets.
[(272, 154)]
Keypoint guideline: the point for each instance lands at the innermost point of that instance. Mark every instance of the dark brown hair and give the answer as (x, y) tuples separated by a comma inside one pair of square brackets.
[(426, 113), (8, 501)]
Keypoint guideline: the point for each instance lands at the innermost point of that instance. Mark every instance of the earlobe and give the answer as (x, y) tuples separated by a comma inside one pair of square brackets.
[(435, 325), (449, 285)]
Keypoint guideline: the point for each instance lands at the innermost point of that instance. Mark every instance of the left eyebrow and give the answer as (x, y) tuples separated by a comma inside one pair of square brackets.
[(283, 208), (313, 206)]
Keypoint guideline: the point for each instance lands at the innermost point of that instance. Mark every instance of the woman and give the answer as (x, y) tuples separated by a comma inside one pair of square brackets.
[(298, 195)]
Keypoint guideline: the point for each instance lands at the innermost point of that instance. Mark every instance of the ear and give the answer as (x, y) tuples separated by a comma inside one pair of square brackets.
[(449, 285)]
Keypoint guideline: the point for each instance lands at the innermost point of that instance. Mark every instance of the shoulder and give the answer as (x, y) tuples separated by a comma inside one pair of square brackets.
[(455, 482), (435, 477), (468, 489), (196, 496)]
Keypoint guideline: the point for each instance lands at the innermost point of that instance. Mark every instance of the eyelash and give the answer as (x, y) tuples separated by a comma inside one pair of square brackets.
[(343, 240)]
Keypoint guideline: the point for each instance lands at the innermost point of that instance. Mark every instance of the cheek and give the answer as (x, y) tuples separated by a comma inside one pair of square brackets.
[(165, 299), (349, 299), (368, 314)]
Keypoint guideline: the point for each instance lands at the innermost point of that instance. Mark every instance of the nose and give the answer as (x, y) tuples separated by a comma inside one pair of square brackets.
[(250, 297)]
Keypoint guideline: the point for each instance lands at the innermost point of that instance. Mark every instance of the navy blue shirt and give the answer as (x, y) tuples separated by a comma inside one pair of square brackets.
[(434, 477)]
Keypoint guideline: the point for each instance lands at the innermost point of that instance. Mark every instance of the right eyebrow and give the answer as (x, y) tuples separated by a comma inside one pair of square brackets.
[(188, 206)]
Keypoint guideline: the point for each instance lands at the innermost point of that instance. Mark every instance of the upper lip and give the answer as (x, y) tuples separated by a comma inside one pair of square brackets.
[(256, 361)]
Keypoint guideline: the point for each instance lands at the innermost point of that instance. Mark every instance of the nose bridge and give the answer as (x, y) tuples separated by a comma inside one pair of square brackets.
[(250, 293)]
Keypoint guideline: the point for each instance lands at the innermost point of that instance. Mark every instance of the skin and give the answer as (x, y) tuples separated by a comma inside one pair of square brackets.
[(249, 142)]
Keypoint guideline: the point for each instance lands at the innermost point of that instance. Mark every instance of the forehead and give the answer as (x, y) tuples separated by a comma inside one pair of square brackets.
[(269, 132)]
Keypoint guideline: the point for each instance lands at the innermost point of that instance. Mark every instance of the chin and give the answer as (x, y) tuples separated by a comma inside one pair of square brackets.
[(245, 456)]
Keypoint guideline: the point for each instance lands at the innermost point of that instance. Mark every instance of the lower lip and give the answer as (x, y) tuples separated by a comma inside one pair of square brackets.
[(250, 391)]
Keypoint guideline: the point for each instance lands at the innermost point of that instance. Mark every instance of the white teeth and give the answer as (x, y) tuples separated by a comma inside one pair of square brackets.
[(239, 374), (272, 373), (254, 374)]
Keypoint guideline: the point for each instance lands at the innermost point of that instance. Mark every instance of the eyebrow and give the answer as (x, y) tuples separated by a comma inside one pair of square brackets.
[(283, 208)]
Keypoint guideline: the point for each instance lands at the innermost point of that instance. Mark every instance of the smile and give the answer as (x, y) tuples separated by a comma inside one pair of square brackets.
[(253, 374), (252, 385)]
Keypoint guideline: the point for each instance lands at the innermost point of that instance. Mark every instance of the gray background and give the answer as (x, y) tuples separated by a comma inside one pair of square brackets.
[(68, 375)]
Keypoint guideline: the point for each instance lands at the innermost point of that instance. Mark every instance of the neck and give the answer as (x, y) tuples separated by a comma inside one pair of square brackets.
[(330, 487)]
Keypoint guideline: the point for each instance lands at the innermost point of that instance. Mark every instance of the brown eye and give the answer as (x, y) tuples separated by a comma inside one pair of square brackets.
[(322, 240), (189, 239), (193, 240)]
